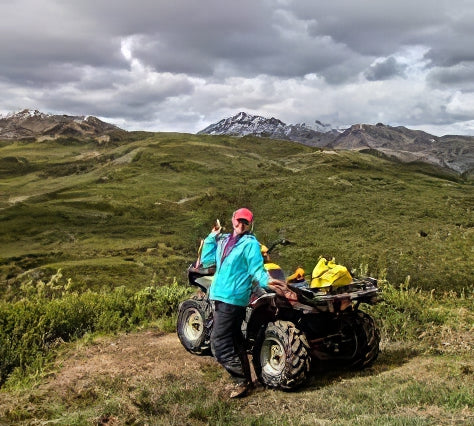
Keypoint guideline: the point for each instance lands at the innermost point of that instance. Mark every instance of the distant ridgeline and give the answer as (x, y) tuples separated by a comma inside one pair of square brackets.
[(454, 153), (397, 143), (29, 124)]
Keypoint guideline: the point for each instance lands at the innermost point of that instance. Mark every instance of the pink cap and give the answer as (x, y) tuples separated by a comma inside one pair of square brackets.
[(243, 213)]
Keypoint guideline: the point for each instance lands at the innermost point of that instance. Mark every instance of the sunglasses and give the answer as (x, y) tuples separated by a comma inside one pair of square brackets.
[(244, 221)]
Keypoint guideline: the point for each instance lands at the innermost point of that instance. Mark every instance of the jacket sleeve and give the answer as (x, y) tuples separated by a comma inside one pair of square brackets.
[(208, 253), (255, 265)]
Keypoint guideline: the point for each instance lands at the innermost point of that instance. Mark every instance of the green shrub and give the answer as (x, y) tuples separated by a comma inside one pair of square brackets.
[(429, 319), (46, 314), (156, 302)]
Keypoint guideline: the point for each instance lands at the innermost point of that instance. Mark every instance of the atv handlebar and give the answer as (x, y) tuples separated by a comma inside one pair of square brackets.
[(281, 241)]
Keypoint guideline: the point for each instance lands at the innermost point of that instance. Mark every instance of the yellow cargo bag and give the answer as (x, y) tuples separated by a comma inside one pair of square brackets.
[(328, 273)]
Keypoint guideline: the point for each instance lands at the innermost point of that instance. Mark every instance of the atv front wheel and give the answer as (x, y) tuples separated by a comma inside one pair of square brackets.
[(193, 317), (281, 356)]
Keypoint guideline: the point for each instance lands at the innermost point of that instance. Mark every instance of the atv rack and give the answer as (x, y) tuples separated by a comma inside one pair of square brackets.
[(364, 290)]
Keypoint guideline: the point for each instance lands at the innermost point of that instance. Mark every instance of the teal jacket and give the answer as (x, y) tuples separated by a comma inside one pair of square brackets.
[(237, 272)]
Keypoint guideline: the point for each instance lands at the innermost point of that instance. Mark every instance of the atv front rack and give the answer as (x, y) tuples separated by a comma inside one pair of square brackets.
[(364, 290)]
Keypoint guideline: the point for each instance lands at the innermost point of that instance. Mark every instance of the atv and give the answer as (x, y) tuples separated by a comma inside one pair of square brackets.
[(288, 336)]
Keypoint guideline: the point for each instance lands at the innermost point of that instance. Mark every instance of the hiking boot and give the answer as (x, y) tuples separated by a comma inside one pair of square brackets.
[(239, 390)]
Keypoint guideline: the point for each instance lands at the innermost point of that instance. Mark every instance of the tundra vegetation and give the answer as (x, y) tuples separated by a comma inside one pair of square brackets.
[(96, 239)]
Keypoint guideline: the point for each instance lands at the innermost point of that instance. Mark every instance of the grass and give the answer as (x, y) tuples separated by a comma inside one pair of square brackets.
[(70, 205), (123, 220)]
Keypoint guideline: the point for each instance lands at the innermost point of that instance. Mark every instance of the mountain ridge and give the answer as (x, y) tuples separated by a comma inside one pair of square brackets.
[(452, 152), (398, 143), (243, 124), (35, 124)]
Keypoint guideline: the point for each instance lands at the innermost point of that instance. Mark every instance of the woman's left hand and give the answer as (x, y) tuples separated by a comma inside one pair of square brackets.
[(278, 286)]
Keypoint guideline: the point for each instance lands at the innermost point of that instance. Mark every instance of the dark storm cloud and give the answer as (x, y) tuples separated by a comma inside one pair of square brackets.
[(277, 38), (452, 44), (459, 76), (185, 61), (374, 27), (384, 70), (45, 32), (248, 38)]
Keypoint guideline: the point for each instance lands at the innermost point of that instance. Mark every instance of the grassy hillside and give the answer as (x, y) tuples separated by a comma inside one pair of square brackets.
[(132, 213), (122, 222)]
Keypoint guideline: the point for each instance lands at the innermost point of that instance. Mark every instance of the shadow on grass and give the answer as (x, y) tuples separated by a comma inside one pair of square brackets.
[(328, 373)]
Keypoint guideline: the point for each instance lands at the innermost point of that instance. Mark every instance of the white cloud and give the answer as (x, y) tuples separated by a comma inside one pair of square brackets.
[(184, 64), (461, 104)]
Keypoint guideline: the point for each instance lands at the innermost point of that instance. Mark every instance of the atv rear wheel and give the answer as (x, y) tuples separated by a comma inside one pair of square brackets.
[(193, 317), (281, 356), (368, 340)]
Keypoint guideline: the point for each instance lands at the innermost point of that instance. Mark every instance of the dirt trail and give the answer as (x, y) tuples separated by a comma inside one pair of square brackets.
[(132, 358)]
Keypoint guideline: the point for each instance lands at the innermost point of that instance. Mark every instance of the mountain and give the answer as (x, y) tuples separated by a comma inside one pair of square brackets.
[(399, 143), (35, 124), (243, 124), (406, 145)]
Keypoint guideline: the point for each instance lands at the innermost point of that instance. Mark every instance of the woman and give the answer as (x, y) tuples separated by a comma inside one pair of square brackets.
[(239, 266)]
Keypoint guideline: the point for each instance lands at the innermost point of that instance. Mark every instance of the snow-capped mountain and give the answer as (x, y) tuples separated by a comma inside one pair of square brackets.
[(320, 127), (35, 124), (24, 114), (243, 124)]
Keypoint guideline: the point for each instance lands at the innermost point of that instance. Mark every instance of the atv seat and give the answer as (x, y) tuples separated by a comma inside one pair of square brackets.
[(201, 277), (202, 271)]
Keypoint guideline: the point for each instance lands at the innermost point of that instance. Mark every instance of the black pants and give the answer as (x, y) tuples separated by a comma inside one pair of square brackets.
[(227, 342)]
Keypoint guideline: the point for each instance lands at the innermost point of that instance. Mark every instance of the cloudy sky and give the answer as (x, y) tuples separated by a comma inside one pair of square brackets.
[(180, 65)]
